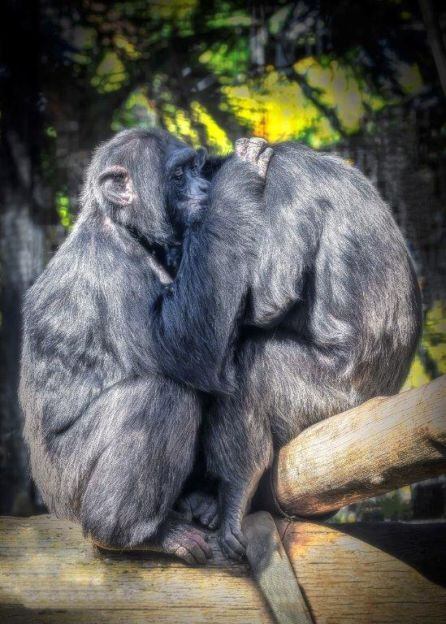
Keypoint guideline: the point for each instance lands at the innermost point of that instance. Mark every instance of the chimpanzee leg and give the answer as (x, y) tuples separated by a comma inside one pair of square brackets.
[(239, 450), (283, 388), (140, 439)]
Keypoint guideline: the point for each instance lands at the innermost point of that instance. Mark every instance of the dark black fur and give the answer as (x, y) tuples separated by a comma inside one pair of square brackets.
[(316, 293), (111, 426), (334, 319)]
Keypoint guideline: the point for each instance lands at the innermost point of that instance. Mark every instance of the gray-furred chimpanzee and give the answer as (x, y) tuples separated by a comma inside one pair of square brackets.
[(333, 319), (112, 353)]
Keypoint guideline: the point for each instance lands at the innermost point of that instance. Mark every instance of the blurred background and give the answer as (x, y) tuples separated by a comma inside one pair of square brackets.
[(366, 80)]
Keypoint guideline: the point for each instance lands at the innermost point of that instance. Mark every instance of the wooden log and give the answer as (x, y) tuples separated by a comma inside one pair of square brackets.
[(370, 573), (50, 574), (383, 573), (272, 570), (379, 446)]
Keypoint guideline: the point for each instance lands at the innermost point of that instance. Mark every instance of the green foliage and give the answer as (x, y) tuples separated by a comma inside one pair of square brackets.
[(278, 19), (430, 361), (174, 15), (64, 210), (434, 337), (187, 65), (137, 111), (228, 16), (110, 74), (229, 62), (202, 50), (394, 505), (51, 132)]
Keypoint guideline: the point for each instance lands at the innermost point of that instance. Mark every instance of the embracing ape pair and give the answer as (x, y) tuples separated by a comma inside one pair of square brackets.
[(201, 313)]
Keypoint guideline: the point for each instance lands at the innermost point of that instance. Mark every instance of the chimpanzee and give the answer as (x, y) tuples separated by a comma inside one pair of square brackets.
[(113, 350), (287, 306), (332, 319)]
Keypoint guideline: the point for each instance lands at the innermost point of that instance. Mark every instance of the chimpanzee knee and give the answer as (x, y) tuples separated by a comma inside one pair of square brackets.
[(142, 454)]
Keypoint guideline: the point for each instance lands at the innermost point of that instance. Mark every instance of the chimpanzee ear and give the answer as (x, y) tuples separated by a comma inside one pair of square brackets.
[(201, 157), (116, 186)]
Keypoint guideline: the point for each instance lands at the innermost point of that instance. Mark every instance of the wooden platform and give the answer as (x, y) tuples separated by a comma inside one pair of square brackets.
[(361, 573)]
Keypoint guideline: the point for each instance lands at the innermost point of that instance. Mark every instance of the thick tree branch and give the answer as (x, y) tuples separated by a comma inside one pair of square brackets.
[(435, 40)]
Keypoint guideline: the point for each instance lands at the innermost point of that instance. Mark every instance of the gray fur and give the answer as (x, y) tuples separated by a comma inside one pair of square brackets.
[(287, 308), (334, 320), (112, 432)]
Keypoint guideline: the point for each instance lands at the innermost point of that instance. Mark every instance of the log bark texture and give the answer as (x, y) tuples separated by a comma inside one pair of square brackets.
[(377, 447), (382, 573), (272, 570)]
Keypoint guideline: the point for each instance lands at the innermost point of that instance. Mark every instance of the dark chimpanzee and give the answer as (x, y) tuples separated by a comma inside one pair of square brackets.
[(333, 319), (113, 352)]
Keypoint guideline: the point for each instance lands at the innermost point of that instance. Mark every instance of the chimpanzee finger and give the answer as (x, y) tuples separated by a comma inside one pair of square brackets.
[(201, 548), (229, 552), (233, 542), (183, 553), (213, 522), (241, 146), (263, 161), (255, 147), (209, 515)]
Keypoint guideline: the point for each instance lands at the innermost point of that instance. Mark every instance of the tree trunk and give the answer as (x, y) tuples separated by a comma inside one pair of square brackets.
[(21, 231), (435, 39), (22, 259)]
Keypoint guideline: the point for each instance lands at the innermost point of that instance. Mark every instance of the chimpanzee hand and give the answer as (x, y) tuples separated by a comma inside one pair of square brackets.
[(200, 506), (256, 152)]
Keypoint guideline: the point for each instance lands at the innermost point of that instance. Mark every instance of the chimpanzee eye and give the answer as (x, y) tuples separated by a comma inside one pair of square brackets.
[(178, 173)]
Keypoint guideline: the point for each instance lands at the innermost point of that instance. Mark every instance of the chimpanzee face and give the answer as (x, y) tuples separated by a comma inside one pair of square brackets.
[(152, 184), (186, 188)]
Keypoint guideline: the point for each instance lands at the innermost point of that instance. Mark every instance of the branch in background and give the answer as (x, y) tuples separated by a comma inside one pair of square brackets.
[(310, 93), (435, 40)]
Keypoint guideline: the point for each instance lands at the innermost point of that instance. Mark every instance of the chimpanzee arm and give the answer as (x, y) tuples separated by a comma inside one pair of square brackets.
[(212, 165), (196, 318)]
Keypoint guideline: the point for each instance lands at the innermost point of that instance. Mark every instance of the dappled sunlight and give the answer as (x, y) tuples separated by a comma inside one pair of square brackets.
[(216, 137), (418, 375), (179, 123), (433, 348), (110, 74), (340, 89), (275, 108), (137, 111)]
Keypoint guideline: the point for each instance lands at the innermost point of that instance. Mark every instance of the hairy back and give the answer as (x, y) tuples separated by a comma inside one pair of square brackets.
[(333, 266), (84, 325)]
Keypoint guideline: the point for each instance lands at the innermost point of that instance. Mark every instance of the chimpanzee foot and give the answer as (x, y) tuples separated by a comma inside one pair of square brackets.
[(256, 152), (184, 541), (201, 507), (232, 541)]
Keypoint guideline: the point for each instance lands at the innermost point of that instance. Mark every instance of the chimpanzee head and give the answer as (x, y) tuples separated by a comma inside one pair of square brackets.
[(147, 181)]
